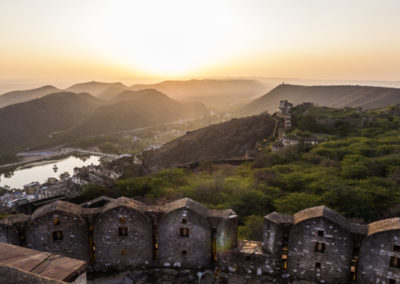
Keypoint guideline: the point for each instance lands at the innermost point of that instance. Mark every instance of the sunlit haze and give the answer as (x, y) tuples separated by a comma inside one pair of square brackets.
[(75, 40)]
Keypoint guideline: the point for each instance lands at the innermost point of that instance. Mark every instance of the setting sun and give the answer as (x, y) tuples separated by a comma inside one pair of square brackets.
[(66, 40), (171, 38)]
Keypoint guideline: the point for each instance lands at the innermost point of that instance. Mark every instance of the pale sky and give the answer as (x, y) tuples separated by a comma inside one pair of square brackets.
[(77, 40)]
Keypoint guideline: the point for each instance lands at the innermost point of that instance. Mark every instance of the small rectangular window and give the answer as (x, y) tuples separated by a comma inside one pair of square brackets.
[(122, 219), (319, 247), (56, 222), (184, 221), (58, 235), (320, 233), (124, 252), (395, 262), (184, 253), (184, 232), (285, 238), (123, 231), (317, 265), (396, 248)]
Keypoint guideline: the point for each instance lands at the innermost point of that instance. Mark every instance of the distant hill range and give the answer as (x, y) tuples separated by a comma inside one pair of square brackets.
[(28, 123), (101, 90), (136, 109), (60, 117), (33, 116), (26, 95), (230, 140), (219, 94), (331, 96)]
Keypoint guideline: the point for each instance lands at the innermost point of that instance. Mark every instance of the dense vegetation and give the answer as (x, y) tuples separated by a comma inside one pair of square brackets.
[(356, 172), (38, 121), (230, 140)]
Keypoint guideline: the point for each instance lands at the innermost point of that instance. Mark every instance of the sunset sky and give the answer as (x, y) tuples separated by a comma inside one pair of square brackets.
[(76, 40)]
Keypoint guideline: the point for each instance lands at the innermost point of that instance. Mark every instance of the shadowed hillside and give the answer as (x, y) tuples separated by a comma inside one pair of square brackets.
[(26, 124), (135, 110), (331, 96), (228, 140), (16, 97)]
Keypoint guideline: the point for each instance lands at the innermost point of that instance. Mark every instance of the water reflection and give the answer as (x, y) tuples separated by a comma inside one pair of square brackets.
[(42, 171)]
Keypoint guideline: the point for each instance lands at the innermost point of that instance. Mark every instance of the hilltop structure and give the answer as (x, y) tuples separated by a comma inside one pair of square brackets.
[(184, 237), (284, 111)]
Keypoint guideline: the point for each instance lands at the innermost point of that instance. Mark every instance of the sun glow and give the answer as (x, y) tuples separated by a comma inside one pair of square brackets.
[(157, 38), (119, 39)]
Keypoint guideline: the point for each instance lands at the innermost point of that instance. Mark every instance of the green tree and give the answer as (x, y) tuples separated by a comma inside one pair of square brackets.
[(296, 201), (252, 228)]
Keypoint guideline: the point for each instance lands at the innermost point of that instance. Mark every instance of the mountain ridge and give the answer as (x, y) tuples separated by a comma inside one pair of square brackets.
[(20, 96), (233, 139), (138, 109), (336, 96), (27, 123), (214, 93)]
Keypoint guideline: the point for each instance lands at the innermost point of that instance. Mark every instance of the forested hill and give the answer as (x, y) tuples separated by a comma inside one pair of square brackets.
[(228, 140), (331, 96), (137, 109), (355, 172), (28, 123)]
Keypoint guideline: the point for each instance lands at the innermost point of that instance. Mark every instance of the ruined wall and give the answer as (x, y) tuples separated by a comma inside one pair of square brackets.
[(185, 235), (9, 234), (59, 232), (184, 239), (12, 229), (226, 236), (331, 264), (275, 244), (272, 238), (187, 276), (376, 264), (122, 239)]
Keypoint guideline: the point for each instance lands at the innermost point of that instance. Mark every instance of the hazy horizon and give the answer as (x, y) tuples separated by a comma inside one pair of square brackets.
[(268, 82), (66, 42)]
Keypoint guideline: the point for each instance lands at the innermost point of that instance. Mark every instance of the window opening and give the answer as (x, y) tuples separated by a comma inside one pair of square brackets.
[(319, 247), (123, 231), (58, 235), (184, 232)]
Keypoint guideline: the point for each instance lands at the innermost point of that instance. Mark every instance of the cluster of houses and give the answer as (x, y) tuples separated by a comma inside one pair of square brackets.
[(286, 141), (34, 192), (24, 200)]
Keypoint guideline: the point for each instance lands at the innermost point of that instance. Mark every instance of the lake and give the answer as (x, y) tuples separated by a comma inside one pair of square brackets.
[(41, 171)]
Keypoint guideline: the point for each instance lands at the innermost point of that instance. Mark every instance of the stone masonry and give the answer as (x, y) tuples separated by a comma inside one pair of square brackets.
[(316, 245)]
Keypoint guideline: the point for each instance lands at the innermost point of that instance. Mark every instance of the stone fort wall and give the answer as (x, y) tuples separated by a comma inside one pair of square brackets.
[(316, 244)]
